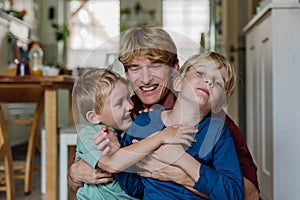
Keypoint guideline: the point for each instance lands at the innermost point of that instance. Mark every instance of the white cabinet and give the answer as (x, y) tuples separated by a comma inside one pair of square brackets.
[(272, 96)]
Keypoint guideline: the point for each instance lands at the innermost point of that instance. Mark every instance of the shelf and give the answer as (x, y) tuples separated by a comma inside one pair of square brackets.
[(17, 27)]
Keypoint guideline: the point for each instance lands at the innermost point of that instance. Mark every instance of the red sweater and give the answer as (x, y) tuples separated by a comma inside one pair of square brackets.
[(245, 159)]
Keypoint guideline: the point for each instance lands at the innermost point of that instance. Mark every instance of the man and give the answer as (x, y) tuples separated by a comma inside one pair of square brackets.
[(143, 50)]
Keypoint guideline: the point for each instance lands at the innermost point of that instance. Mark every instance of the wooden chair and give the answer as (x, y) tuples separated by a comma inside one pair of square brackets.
[(33, 94), (7, 183)]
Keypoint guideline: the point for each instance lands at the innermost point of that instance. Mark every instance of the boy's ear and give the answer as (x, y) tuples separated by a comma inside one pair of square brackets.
[(92, 117), (177, 83)]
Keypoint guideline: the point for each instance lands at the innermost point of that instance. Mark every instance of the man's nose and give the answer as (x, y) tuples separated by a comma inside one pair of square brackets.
[(146, 75)]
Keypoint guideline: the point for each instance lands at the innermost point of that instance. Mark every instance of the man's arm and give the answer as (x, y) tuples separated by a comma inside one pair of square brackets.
[(80, 172)]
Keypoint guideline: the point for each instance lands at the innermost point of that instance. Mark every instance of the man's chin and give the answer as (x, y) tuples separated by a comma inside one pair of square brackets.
[(149, 102)]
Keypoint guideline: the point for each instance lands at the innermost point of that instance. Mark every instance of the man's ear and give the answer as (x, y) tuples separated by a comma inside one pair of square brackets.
[(176, 65), (92, 117), (177, 83)]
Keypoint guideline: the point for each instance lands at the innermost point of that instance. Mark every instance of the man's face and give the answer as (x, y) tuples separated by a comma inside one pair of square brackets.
[(149, 80)]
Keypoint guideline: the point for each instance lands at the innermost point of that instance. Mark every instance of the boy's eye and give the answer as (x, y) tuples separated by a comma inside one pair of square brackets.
[(218, 83), (200, 73)]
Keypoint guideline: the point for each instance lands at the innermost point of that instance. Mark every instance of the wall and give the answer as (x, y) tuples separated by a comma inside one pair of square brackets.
[(3, 44)]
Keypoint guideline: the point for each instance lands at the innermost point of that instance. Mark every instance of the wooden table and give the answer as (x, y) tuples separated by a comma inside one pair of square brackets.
[(50, 84)]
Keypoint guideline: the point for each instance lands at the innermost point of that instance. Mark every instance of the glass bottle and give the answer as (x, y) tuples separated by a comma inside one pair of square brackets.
[(23, 68), (36, 59)]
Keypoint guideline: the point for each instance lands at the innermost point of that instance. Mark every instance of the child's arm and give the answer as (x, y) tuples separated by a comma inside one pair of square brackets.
[(221, 177), (153, 168), (127, 156), (179, 158)]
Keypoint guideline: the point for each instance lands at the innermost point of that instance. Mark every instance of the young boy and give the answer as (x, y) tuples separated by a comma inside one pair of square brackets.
[(103, 99), (212, 161)]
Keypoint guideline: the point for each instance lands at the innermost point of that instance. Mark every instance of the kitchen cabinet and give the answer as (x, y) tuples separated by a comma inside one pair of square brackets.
[(272, 93)]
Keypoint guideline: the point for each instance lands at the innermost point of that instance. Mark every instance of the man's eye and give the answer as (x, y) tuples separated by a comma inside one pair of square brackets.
[(156, 66), (134, 69)]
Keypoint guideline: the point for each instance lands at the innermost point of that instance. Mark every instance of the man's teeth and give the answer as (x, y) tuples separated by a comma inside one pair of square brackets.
[(148, 88)]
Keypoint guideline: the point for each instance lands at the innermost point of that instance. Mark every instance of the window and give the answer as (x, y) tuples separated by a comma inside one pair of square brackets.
[(186, 21), (93, 22), (94, 33), (188, 17)]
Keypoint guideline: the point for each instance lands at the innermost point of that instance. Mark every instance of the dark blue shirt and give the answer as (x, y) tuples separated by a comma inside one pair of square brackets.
[(220, 174)]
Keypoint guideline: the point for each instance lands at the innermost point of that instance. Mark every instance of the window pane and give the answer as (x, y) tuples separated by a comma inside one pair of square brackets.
[(93, 22), (188, 17)]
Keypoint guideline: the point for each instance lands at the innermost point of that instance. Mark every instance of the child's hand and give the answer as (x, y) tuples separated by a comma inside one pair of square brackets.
[(179, 135), (106, 141), (163, 153)]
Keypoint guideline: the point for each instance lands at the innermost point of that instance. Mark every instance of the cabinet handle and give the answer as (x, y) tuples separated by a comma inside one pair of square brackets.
[(265, 40), (252, 47)]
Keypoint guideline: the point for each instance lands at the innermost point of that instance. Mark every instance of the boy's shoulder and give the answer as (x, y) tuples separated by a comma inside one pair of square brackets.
[(91, 129), (146, 123), (146, 118), (214, 125)]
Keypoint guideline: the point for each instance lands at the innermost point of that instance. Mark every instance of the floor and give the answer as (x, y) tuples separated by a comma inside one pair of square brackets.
[(19, 154)]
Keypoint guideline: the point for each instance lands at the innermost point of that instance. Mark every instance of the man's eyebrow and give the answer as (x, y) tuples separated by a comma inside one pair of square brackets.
[(132, 65)]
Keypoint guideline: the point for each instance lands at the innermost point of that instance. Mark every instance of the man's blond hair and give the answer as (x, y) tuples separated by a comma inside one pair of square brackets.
[(149, 41)]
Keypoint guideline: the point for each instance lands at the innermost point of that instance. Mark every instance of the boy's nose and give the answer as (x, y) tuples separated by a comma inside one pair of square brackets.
[(209, 83)]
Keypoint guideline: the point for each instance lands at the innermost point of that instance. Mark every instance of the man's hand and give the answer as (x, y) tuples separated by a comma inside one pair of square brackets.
[(251, 192), (165, 172), (81, 172), (106, 141)]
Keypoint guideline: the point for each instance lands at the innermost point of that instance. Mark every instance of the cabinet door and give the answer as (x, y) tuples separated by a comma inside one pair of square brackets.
[(251, 85), (259, 103), (266, 108)]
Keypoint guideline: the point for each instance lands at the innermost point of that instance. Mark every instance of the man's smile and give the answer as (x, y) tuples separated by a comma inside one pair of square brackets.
[(149, 88)]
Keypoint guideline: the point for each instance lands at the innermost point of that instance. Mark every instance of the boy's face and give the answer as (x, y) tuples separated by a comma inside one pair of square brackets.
[(150, 80), (206, 83), (116, 109)]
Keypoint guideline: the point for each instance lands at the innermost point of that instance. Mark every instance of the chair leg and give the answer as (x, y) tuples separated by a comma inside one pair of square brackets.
[(6, 156), (9, 175), (32, 146)]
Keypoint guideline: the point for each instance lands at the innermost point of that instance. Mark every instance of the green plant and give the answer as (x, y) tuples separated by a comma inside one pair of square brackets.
[(62, 32)]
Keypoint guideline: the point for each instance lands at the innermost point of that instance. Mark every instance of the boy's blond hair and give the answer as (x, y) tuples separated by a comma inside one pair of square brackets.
[(153, 42), (220, 61), (92, 88)]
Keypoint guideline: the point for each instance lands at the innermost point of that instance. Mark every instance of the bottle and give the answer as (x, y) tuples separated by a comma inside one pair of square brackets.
[(36, 59), (23, 68)]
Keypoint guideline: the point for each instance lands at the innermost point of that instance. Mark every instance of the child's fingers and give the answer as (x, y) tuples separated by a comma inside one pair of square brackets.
[(135, 141), (106, 151), (98, 138), (188, 129), (103, 144)]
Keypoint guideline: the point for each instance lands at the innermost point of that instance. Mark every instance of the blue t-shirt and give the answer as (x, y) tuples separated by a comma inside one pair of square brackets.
[(220, 174)]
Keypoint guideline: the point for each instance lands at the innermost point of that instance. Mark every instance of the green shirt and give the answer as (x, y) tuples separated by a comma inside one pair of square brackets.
[(86, 150)]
